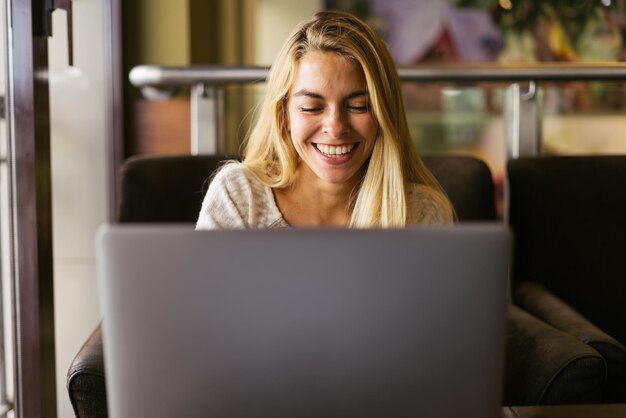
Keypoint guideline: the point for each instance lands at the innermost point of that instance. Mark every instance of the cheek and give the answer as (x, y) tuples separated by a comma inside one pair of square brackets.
[(294, 130), (297, 126), (369, 128)]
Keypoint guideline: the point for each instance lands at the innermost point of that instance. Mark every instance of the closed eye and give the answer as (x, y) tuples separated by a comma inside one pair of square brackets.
[(310, 109), (359, 109)]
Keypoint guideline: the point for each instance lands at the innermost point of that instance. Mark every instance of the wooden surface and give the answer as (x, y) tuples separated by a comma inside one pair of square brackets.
[(566, 411), (161, 127), (32, 226)]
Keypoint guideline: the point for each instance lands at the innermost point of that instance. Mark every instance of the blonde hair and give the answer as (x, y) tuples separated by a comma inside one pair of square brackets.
[(381, 198)]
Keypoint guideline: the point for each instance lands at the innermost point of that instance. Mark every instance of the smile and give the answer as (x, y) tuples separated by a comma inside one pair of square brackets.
[(332, 150)]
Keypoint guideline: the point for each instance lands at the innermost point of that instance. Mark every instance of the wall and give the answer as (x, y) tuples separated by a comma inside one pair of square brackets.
[(274, 20), (159, 27)]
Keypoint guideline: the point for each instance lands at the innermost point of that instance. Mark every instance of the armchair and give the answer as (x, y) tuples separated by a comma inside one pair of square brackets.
[(567, 214), (170, 189)]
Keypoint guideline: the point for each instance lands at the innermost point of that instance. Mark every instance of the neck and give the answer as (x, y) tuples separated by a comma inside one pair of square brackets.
[(313, 202)]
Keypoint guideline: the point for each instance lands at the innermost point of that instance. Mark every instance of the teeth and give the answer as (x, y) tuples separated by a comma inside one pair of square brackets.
[(333, 150)]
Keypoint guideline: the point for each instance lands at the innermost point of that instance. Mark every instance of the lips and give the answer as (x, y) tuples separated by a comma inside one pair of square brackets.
[(334, 150)]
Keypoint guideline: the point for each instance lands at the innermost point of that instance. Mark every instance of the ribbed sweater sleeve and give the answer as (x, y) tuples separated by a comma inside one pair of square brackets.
[(236, 199)]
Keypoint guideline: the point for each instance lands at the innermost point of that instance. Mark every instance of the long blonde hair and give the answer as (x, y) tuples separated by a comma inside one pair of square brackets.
[(380, 200)]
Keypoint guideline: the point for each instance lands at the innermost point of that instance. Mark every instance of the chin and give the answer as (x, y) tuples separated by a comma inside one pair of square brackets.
[(336, 178)]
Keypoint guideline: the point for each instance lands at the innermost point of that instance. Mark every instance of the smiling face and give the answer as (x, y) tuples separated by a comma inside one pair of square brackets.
[(332, 126)]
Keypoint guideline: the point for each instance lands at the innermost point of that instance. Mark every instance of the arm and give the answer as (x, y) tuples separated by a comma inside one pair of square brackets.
[(540, 302), (545, 365)]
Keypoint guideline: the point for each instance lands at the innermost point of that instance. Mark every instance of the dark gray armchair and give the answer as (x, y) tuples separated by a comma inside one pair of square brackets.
[(544, 365), (568, 215)]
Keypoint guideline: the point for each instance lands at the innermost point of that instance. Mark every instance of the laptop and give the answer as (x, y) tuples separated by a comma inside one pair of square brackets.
[(303, 322)]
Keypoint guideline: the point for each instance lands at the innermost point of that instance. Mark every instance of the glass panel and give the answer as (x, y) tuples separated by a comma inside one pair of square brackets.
[(241, 105), (446, 119), (584, 118)]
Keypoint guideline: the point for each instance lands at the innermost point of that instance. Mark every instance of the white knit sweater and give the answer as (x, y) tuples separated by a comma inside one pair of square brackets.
[(237, 199)]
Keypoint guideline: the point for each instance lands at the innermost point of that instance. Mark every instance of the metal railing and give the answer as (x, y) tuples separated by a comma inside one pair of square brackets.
[(522, 107)]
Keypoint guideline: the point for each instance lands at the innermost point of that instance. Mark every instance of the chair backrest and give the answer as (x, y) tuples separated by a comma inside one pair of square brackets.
[(469, 184), (171, 188), (568, 215), (165, 188)]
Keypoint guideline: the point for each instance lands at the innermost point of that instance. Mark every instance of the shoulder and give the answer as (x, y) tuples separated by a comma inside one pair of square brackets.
[(427, 206), (237, 182), (234, 175), (237, 199), (241, 185)]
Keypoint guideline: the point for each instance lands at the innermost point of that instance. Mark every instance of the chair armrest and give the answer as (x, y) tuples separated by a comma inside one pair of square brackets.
[(539, 301), (547, 366), (85, 379)]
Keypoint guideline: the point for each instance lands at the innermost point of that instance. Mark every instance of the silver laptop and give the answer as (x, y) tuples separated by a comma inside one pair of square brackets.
[(303, 322)]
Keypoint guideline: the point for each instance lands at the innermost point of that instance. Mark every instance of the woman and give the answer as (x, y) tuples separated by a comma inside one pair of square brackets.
[(331, 146)]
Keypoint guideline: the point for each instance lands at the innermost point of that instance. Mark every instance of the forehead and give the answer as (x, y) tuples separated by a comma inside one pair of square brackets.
[(328, 70)]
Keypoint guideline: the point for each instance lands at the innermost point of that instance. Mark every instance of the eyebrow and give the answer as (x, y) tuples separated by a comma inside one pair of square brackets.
[(314, 95)]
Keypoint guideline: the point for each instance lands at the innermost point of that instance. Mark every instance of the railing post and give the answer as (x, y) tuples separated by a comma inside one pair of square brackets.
[(522, 121), (207, 113)]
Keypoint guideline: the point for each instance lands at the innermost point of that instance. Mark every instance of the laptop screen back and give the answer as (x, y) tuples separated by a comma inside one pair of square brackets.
[(295, 322)]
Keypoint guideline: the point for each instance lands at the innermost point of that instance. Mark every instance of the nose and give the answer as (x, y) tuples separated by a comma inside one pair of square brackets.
[(335, 124)]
